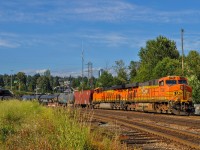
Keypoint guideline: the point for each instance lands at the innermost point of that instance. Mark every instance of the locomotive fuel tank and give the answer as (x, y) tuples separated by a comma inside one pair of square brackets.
[(106, 105)]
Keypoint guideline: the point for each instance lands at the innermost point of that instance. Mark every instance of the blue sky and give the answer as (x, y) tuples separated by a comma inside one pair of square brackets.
[(48, 34)]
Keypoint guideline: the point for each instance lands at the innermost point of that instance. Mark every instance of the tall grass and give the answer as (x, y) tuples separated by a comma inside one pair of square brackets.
[(27, 125)]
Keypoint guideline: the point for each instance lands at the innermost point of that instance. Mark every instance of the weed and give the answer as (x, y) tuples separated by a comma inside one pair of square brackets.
[(28, 125)]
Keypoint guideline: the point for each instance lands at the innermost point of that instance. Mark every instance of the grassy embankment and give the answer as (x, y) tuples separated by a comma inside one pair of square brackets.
[(28, 125)]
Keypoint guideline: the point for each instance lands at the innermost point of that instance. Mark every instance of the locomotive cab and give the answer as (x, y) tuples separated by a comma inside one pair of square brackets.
[(178, 92), (176, 86), (172, 80)]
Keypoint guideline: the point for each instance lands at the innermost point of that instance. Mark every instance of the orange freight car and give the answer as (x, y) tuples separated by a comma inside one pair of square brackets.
[(170, 94)]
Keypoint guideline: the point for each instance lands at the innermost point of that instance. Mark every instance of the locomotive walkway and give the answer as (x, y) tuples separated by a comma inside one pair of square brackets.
[(179, 129)]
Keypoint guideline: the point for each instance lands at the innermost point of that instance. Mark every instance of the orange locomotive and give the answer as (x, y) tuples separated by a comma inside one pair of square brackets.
[(167, 95)]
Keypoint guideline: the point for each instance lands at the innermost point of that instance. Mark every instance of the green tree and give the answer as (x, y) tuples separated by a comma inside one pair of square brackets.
[(105, 80), (142, 73), (43, 84), (195, 83), (167, 67), (193, 64), (120, 69), (76, 82), (6, 79), (155, 51), (84, 84), (28, 82), (47, 73), (133, 70), (15, 82), (1, 81), (21, 77), (56, 81), (192, 71), (33, 82)]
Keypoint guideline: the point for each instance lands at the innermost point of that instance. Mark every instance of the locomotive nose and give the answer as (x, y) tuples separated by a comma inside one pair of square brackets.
[(184, 87), (187, 91)]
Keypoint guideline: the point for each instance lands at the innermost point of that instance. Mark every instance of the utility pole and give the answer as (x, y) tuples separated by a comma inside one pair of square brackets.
[(182, 31), (82, 66)]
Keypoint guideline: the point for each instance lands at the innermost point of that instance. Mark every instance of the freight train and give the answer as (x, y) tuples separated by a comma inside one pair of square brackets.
[(170, 94)]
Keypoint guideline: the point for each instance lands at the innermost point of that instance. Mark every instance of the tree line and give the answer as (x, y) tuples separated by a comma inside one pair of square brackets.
[(157, 59)]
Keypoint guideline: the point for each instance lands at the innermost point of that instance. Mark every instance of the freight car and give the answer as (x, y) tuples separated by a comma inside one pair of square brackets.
[(83, 98), (169, 94), (50, 99), (66, 99)]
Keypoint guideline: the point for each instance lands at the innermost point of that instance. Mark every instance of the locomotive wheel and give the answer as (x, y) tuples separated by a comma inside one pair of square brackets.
[(131, 107)]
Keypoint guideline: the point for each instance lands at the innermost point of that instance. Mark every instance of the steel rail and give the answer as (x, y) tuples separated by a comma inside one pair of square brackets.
[(185, 121), (155, 130)]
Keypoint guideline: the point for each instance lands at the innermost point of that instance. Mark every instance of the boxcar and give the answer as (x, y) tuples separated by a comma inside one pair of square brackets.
[(83, 98)]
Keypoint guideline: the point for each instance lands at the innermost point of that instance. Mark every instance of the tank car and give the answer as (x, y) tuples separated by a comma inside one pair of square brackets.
[(66, 99), (48, 99)]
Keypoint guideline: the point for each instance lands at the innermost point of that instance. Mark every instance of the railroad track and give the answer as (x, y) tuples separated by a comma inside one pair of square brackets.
[(189, 139), (189, 121)]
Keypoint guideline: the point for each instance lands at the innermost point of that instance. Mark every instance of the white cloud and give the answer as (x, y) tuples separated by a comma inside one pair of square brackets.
[(41, 71), (62, 72), (110, 39), (102, 10), (90, 10), (65, 74), (8, 44)]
